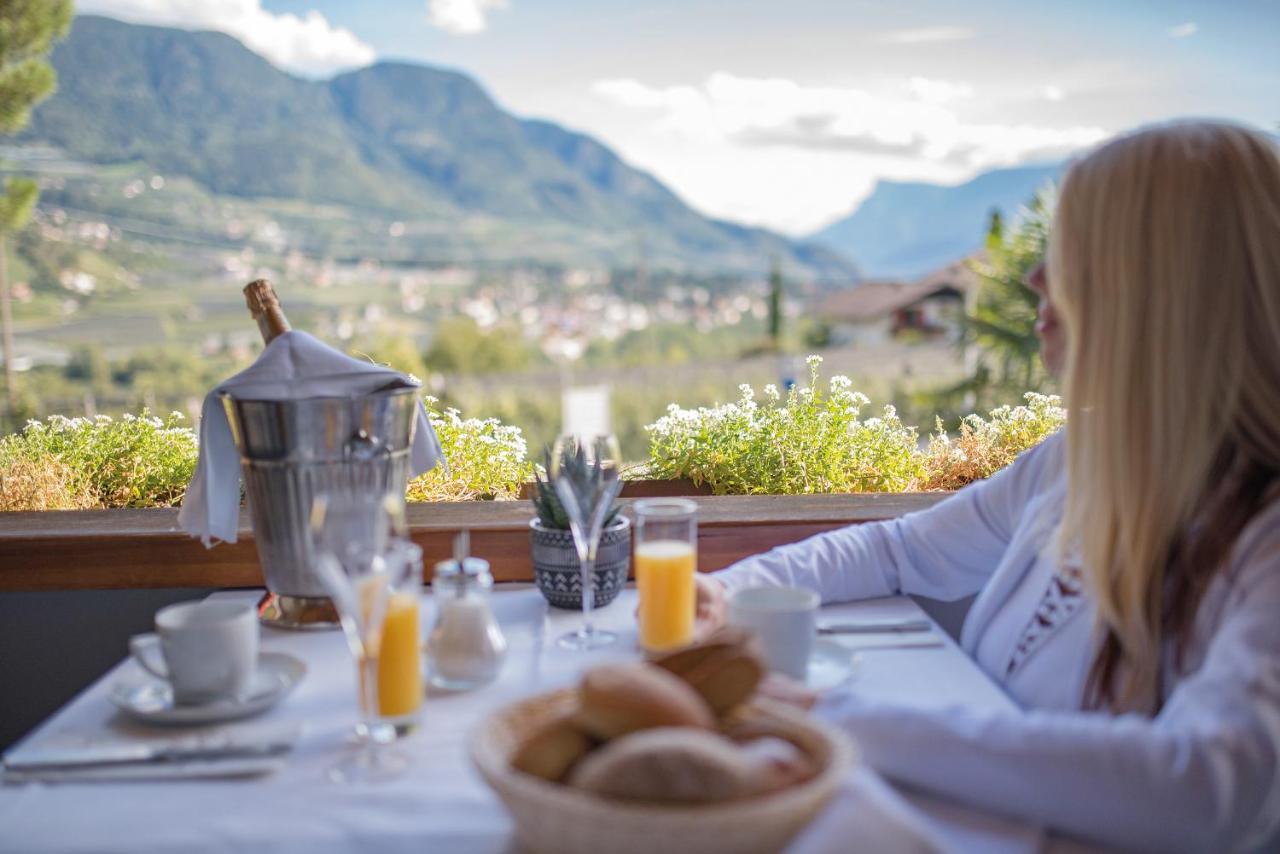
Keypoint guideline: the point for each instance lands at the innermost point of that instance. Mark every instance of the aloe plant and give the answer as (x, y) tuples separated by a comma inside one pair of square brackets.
[(551, 513)]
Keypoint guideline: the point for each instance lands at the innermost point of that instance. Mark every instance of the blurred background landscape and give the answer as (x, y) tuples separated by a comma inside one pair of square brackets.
[(628, 253)]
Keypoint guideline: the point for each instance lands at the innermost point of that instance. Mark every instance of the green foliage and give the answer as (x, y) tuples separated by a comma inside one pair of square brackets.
[(811, 441), (984, 446), (775, 304), (1001, 326), (814, 441), (397, 352), (135, 461), (547, 504), (807, 442), (28, 29), (19, 198), (485, 459), (461, 346)]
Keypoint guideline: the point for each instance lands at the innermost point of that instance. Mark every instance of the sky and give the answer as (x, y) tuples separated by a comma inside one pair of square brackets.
[(785, 114)]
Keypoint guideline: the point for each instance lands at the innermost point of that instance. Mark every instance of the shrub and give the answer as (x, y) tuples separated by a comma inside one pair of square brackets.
[(985, 446), (815, 441), (136, 461), (44, 484), (809, 441), (486, 459)]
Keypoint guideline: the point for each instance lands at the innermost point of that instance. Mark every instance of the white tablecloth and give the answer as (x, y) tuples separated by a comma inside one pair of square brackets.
[(441, 805)]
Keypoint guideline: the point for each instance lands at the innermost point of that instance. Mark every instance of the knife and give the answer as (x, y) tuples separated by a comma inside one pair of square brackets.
[(875, 626), (74, 753)]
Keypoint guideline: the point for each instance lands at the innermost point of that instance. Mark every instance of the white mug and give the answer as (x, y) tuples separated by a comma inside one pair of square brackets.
[(784, 619), (206, 650)]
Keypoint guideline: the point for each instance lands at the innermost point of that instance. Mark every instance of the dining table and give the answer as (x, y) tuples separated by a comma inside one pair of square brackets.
[(440, 803)]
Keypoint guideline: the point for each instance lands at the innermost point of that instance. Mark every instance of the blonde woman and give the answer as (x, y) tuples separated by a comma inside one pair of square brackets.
[(1127, 571)]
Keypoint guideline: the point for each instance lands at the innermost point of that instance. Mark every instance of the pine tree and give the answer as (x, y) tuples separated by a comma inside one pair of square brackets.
[(28, 29), (775, 306)]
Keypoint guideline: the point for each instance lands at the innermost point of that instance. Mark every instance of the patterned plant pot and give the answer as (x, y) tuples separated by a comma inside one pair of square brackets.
[(559, 575)]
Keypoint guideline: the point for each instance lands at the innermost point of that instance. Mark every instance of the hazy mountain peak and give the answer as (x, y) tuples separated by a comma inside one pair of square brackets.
[(906, 228)]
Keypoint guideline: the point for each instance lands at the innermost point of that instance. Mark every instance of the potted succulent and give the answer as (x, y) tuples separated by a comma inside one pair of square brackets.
[(555, 559)]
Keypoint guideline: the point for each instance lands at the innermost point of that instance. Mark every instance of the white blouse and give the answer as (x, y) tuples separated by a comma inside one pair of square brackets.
[(1202, 775)]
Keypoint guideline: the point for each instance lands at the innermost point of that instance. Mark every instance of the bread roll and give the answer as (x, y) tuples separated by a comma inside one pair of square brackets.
[(726, 678), (724, 669), (616, 699), (776, 763), (666, 765), (682, 661), (553, 749)]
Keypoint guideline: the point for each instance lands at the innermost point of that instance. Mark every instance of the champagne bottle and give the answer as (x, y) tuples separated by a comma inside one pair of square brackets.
[(264, 307)]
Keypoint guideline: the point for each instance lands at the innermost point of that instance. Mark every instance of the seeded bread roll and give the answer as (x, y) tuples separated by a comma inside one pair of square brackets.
[(616, 699), (666, 765), (553, 749)]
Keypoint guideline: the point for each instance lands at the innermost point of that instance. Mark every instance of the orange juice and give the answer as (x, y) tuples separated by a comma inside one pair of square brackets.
[(664, 577), (400, 686)]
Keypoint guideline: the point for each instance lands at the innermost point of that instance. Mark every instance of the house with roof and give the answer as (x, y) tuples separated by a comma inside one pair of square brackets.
[(880, 311)]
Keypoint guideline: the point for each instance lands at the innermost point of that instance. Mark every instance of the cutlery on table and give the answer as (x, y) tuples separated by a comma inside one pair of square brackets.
[(74, 754), (869, 627)]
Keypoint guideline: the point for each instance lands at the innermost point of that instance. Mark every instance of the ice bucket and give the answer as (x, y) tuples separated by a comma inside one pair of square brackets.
[(293, 450)]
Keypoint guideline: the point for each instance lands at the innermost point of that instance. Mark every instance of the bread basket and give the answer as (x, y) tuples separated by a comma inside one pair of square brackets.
[(556, 819)]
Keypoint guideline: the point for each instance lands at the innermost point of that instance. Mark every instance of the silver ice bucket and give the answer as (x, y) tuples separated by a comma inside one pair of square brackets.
[(294, 450)]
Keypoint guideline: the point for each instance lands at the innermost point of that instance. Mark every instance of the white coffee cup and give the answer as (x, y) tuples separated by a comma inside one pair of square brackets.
[(206, 651), (784, 619)]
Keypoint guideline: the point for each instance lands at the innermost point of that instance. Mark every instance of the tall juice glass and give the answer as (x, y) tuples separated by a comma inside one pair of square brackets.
[(400, 666), (666, 559)]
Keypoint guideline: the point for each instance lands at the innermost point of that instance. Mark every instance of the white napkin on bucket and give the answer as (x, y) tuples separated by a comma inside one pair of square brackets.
[(293, 366)]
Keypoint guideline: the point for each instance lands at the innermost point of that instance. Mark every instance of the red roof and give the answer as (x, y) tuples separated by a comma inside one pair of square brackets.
[(875, 299)]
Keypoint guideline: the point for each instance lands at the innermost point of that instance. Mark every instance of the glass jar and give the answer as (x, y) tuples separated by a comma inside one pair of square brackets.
[(466, 647)]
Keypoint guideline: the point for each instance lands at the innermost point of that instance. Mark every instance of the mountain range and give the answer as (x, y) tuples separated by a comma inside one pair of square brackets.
[(904, 229), (396, 140)]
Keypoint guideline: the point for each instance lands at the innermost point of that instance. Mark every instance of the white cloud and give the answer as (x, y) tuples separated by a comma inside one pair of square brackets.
[(1053, 93), (462, 17), (308, 43), (938, 91), (778, 112), (811, 151), (1190, 28), (928, 35)]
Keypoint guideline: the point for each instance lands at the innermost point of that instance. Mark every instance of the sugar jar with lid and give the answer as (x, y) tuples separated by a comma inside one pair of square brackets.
[(466, 646)]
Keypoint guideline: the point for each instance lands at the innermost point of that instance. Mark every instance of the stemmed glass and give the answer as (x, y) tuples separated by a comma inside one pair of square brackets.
[(586, 475), (361, 564)]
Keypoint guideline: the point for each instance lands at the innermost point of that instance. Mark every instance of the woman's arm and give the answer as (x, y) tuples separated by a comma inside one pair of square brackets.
[(1204, 775), (945, 552)]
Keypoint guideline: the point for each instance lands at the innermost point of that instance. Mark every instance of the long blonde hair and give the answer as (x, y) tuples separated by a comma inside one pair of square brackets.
[(1164, 264)]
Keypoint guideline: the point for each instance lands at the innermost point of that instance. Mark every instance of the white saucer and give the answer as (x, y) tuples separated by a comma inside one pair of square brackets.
[(830, 665), (151, 701)]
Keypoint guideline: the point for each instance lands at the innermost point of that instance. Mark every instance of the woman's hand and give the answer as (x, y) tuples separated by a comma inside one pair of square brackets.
[(710, 605), (784, 689)]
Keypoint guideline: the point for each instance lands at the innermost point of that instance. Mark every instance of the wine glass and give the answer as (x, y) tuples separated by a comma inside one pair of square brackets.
[(586, 475), (361, 564)]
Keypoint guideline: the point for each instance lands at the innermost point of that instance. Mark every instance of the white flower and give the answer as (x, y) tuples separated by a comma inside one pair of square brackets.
[(813, 360)]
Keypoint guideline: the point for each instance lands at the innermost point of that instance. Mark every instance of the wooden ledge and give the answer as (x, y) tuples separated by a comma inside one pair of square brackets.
[(105, 549)]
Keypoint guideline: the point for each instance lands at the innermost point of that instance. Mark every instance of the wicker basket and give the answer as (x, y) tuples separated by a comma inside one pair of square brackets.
[(556, 819)]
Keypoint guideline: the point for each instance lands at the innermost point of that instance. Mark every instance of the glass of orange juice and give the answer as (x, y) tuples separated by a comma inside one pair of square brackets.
[(666, 559), (373, 577)]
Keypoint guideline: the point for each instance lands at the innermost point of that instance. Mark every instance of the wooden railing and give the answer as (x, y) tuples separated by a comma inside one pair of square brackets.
[(106, 549)]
